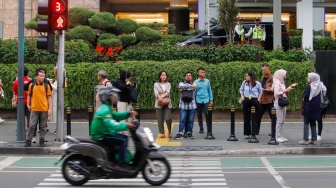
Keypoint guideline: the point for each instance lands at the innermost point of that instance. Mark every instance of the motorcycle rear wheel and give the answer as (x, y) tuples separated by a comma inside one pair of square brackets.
[(160, 176), (71, 176)]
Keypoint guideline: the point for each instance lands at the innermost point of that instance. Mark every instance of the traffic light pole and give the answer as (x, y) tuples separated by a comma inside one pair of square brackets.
[(21, 134), (60, 87)]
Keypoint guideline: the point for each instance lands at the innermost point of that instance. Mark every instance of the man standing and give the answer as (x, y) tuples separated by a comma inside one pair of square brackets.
[(267, 97), (257, 32), (239, 35), (103, 82), (187, 105), (15, 89), (203, 97), (39, 96)]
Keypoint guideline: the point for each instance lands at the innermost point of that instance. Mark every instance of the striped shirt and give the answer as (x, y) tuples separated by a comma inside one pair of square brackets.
[(187, 105)]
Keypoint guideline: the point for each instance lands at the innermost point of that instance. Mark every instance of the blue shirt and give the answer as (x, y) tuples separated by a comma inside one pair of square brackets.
[(203, 91), (187, 105), (247, 89)]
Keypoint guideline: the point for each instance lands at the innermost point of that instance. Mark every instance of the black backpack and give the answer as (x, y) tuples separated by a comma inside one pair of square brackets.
[(187, 96), (46, 82)]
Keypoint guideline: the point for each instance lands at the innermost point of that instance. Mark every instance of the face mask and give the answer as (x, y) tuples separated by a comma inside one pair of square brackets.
[(285, 79)]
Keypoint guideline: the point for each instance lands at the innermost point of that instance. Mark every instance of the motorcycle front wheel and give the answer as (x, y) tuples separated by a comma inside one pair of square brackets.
[(159, 175), (70, 175)]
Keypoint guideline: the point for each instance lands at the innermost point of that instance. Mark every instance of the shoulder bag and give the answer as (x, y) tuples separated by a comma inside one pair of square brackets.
[(165, 101), (283, 101)]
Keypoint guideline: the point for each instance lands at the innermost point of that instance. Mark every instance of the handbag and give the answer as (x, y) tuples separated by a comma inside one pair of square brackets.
[(283, 101), (165, 101), (132, 93)]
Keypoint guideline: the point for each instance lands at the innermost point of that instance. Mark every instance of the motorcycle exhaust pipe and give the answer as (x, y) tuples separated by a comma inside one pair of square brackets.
[(78, 168)]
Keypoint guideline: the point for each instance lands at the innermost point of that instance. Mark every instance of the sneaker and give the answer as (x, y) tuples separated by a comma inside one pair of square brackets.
[(319, 138), (303, 142), (178, 136), (28, 143), (185, 135), (247, 137), (309, 137), (280, 140), (1, 120), (34, 140), (41, 142), (312, 142), (201, 131), (190, 136), (284, 139)]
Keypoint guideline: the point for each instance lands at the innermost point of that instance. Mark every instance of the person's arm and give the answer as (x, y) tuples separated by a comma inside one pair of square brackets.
[(29, 97), (259, 91), (109, 83), (210, 93), (118, 116), (49, 100), (249, 32), (239, 32), (107, 117), (241, 90)]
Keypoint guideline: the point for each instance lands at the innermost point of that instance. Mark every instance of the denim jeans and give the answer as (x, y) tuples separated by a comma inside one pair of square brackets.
[(117, 139), (306, 123), (183, 119)]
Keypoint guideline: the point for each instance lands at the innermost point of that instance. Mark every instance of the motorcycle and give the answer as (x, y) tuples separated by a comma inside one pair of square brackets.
[(86, 159)]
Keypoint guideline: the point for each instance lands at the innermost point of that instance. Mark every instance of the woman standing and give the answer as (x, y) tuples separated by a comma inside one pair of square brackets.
[(163, 112), (250, 92), (311, 107), (53, 115), (279, 89)]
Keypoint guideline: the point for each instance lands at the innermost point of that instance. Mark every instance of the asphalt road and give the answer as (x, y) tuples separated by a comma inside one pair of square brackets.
[(232, 172)]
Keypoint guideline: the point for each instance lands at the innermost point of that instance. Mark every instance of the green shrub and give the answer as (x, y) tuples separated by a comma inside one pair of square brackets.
[(294, 32), (325, 43), (225, 78), (107, 36), (147, 34), (171, 29), (127, 39), (173, 39), (79, 16), (84, 33), (106, 43), (102, 21), (295, 41), (126, 26)]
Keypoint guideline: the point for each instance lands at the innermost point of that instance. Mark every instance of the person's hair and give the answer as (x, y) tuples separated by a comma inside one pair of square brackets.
[(25, 71), (265, 65), (159, 75), (40, 70), (252, 78), (103, 73), (201, 68), (187, 73)]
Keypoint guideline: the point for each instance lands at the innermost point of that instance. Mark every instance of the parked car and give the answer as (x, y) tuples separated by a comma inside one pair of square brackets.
[(219, 32)]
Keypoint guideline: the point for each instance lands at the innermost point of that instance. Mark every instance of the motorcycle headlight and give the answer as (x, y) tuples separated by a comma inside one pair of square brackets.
[(149, 134)]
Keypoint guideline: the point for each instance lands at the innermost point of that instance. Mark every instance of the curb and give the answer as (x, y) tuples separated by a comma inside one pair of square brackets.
[(221, 153)]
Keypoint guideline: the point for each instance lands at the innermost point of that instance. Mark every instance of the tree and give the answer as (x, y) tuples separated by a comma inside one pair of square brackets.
[(126, 26), (102, 21), (228, 12), (85, 33), (79, 16)]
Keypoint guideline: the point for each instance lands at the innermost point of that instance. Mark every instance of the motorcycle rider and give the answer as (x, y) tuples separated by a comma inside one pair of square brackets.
[(105, 124)]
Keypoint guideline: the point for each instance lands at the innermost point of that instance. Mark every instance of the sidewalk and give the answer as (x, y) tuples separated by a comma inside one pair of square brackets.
[(293, 131)]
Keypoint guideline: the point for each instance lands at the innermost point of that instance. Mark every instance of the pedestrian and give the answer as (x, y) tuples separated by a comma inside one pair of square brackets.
[(257, 32), (123, 83), (266, 102), (163, 103), (239, 35), (250, 93), (311, 107), (187, 105), (204, 98), (323, 111), (280, 90), (2, 96), (15, 90), (103, 82), (53, 115), (39, 96)]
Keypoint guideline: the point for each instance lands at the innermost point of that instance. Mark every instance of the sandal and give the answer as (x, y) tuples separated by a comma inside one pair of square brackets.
[(170, 135), (162, 135)]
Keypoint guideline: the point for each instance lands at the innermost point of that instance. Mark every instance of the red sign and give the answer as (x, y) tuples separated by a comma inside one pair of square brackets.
[(58, 6)]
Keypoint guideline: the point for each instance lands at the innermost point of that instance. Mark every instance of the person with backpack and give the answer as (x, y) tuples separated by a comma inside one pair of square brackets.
[(103, 82), (204, 98), (39, 103), (187, 105), (15, 89)]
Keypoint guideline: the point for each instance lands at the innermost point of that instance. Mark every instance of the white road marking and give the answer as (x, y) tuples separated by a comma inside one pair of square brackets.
[(274, 173), (8, 161)]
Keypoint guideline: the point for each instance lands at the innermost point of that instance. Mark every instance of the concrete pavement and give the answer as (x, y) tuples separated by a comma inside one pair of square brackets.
[(293, 130)]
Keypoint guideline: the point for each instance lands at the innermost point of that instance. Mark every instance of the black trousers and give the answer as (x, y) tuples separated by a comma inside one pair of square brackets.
[(247, 104), (202, 108), (263, 108)]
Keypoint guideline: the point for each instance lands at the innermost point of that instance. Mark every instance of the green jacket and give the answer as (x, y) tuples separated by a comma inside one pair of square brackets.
[(105, 122)]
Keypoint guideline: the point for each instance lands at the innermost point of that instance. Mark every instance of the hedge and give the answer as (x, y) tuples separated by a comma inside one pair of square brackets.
[(225, 80)]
